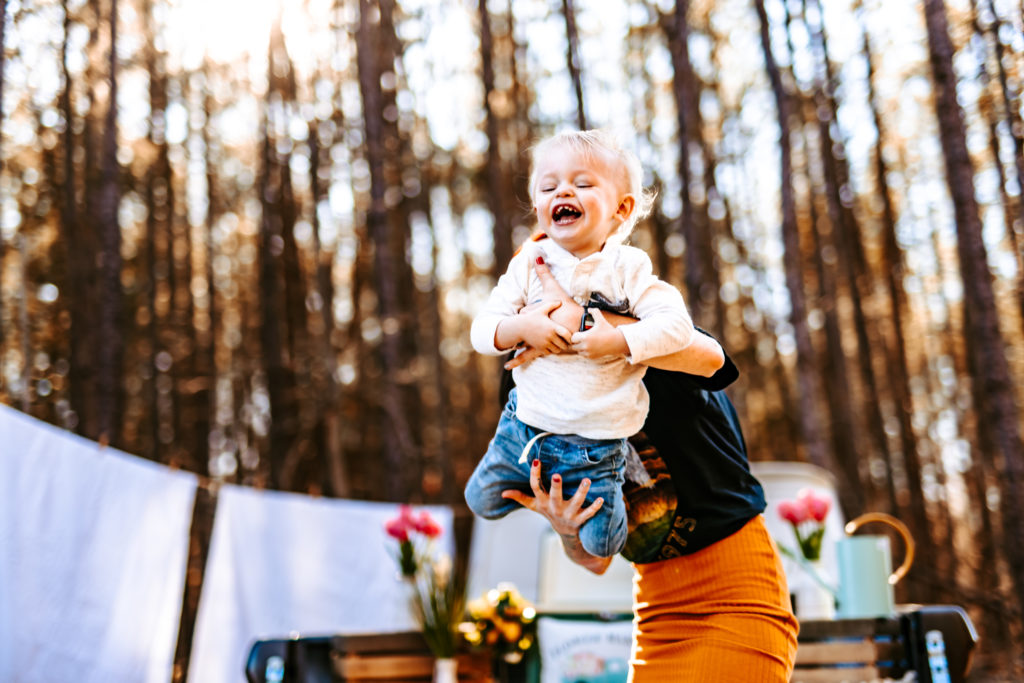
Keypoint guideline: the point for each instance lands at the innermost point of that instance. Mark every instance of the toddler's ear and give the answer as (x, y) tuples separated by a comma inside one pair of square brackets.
[(626, 207)]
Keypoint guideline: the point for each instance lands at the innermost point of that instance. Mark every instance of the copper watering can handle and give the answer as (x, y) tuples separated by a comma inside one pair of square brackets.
[(908, 540)]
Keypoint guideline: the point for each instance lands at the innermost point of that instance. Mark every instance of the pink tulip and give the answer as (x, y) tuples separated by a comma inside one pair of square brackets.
[(817, 506), (792, 511), (405, 514), (426, 525), (397, 529), (407, 522)]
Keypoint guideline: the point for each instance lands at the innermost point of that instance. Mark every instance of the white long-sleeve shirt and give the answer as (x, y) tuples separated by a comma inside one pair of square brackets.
[(602, 398)]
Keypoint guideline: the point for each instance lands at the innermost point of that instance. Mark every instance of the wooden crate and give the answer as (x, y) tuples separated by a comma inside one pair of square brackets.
[(392, 657), (850, 651)]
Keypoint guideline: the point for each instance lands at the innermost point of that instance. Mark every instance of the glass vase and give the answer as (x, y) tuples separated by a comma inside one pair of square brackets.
[(446, 670), (814, 601)]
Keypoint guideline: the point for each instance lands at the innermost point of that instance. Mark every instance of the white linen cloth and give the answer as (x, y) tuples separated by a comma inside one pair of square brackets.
[(579, 650), (284, 563), (602, 398), (93, 549)]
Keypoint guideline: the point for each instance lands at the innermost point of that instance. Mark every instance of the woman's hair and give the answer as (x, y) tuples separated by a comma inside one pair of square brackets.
[(587, 142)]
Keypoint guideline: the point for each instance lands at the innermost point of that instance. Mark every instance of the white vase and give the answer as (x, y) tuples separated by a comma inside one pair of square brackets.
[(446, 670), (409, 599), (814, 600)]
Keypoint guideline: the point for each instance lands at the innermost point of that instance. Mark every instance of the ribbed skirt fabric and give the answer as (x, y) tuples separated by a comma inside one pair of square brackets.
[(720, 615)]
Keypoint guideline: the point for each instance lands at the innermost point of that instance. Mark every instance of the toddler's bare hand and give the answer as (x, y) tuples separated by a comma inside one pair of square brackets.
[(540, 332)]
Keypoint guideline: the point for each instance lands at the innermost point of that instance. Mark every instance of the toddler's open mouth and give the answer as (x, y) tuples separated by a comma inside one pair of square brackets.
[(563, 214)]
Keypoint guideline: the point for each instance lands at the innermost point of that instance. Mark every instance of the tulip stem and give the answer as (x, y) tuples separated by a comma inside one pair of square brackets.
[(807, 566)]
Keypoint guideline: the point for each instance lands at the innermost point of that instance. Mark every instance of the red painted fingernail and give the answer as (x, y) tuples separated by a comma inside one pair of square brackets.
[(556, 478), (540, 260), (536, 463)]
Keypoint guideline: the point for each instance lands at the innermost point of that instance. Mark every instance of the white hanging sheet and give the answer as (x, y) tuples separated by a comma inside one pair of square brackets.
[(93, 549), (283, 563)]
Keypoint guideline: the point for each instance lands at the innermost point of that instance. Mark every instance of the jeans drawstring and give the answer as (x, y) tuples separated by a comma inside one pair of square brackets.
[(529, 445)]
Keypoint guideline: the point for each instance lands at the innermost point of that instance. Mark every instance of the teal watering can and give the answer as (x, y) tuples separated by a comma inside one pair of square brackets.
[(866, 579)]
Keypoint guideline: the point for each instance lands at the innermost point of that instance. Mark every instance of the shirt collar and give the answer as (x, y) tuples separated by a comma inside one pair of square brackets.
[(559, 256)]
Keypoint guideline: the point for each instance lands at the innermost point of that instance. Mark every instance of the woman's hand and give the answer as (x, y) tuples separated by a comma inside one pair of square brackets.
[(601, 340), (565, 516)]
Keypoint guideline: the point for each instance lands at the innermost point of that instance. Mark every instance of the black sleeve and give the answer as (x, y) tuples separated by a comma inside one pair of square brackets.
[(507, 383)]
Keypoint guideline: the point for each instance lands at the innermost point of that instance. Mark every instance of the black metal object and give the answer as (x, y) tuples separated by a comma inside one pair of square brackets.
[(940, 642), (305, 660), (934, 641)]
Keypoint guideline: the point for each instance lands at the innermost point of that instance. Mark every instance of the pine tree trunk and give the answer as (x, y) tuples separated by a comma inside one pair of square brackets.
[(207, 354), (277, 360), (497, 188), (77, 302), (810, 398), (834, 371), (1013, 207), (979, 480), (895, 270), (572, 59), (992, 383), (109, 352), (1010, 108), (694, 223), (329, 417), (398, 442), (848, 243), (3, 56), (157, 195)]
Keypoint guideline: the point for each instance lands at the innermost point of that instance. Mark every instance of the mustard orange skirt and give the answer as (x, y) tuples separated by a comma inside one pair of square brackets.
[(721, 614)]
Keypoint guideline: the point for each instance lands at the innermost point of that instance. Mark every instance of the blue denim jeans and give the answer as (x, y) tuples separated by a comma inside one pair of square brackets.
[(574, 457)]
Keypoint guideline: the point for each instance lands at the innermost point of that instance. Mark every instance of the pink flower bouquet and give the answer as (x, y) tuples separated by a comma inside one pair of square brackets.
[(413, 533), (807, 515), (437, 595)]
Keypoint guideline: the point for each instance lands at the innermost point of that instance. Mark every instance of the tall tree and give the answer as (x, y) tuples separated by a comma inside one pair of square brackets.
[(992, 383), (109, 352), (834, 369), (329, 421), (694, 219), (1013, 206), (848, 243), (894, 267), (275, 198), (497, 188), (810, 394), (399, 447), (158, 197), (78, 304), (3, 51), (572, 59), (207, 353), (1011, 102)]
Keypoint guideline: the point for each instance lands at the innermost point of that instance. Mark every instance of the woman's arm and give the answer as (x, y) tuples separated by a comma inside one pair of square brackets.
[(566, 516), (703, 356)]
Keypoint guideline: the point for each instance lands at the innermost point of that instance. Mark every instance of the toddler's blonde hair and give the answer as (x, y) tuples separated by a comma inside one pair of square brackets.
[(586, 142)]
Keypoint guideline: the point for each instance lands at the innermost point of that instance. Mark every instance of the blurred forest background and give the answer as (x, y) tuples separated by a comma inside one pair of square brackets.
[(248, 239)]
